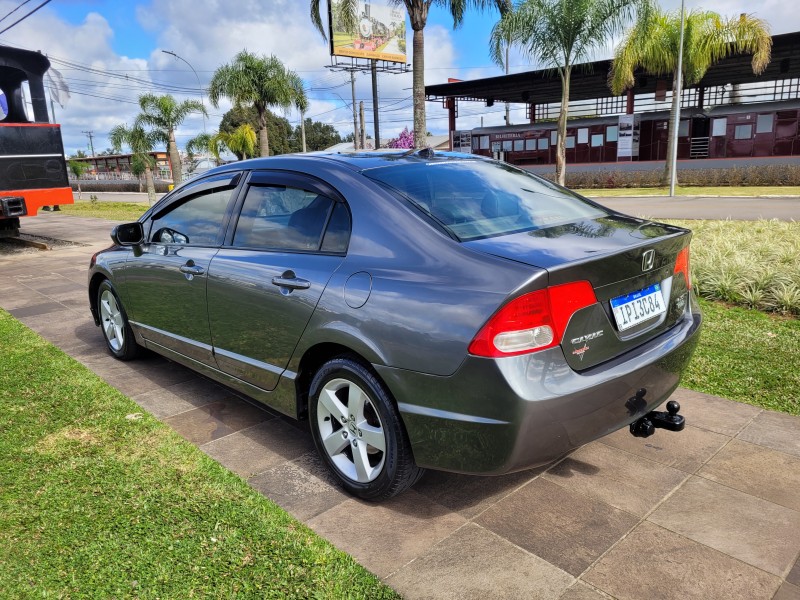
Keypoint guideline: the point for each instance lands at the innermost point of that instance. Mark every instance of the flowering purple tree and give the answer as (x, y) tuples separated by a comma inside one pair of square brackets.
[(404, 140)]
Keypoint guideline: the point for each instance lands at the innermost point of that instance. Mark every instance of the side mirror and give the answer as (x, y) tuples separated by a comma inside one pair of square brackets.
[(128, 234)]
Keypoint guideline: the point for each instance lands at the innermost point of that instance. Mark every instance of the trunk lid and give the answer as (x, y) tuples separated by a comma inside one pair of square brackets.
[(626, 260)]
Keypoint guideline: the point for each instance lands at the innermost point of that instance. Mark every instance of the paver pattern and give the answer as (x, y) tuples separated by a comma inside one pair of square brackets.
[(712, 512)]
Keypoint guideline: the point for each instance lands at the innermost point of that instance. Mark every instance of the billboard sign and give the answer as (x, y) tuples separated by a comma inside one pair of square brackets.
[(628, 137), (379, 33)]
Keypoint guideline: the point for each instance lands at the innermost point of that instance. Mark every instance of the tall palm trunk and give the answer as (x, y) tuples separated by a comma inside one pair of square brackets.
[(561, 146), (667, 175), (420, 126), (151, 186), (303, 129), (263, 136), (175, 159)]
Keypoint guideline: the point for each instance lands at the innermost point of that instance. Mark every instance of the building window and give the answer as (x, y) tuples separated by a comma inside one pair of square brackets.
[(553, 137), (743, 132), (519, 145), (719, 126), (495, 146), (583, 135), (597, 140), (611, 133), (764, 124), (570, 142), (484, 142), (530, 144), (683, 128), (507, 146), (543, 143)]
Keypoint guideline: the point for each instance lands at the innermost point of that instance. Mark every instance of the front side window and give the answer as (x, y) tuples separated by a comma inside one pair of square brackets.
[(194, 222), (286, 218), (719, 126), (474, 200)]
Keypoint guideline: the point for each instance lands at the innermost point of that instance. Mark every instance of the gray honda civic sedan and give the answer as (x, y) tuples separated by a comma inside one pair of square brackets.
[(419, 309)]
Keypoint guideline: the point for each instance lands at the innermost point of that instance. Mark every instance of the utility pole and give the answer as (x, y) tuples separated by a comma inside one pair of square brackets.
[(508, 119), (375, 119), (363, 129), (673, 176), (199, 85), (90, 135), (355, 116)]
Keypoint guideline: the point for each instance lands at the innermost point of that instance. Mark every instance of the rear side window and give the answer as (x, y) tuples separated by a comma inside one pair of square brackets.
[(278, 217), (477, 199)]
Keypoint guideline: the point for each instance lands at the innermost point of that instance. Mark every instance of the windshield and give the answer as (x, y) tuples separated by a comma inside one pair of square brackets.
[(476, 199)]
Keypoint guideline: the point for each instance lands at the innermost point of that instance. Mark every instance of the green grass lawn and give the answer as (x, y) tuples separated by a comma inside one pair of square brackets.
[(100, 500), (747, 356), (788, 190), (116, 211)]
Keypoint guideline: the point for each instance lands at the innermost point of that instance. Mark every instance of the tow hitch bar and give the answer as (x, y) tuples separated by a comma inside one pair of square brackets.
[(656, 419)]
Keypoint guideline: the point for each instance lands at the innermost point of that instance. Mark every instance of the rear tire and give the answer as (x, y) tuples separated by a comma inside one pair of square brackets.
[(114, 323), (358, 431)]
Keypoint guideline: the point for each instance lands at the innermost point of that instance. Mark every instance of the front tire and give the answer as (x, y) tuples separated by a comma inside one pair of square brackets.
[(358, 432), (114, 323)]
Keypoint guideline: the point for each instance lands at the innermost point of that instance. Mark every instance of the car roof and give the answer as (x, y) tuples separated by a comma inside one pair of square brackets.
[(358, 161)]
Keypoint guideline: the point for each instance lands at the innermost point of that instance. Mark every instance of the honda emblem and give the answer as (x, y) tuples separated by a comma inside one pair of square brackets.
[(648, 258)]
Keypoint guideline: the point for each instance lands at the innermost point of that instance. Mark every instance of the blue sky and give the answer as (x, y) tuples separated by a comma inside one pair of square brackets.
[(110, 52)]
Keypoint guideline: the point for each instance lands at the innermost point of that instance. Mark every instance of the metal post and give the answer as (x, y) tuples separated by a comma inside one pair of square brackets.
[(355, 116), (363, 129), (375, 119), (508, 121), (677, 119), (199, 85)]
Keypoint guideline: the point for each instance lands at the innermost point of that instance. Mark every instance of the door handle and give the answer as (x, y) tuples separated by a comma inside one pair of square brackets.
[(292, 283), (192, 269)]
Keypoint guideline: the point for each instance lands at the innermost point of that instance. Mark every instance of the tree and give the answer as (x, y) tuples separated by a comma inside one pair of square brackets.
[(141, 143), (418, 14), (79, 154), (165, 115), (280, 131), (241, 141), (199, 143), (653, 43), (258, 81), (562, 33), (319, 136), (404, 140), (78, 168)]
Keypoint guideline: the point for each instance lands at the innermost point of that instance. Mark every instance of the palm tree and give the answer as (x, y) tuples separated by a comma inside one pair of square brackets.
[(78, 168), (562, 33), (258, 81), (199, 143), (141, 143), (418, 13), (165, 115), (708, 38), (241, 141), (301, 104)]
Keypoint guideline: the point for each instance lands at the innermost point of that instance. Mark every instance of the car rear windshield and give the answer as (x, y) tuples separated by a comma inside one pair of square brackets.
[(476, 199)]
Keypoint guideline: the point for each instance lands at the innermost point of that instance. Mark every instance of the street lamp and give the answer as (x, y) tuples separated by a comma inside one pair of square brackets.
[(200, 85), (676, 123)]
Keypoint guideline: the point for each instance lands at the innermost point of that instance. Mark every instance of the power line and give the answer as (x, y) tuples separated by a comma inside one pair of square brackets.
[(14, 10), (21, 19)]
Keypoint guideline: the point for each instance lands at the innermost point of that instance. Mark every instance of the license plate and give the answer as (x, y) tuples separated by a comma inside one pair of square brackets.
[(632, 309)]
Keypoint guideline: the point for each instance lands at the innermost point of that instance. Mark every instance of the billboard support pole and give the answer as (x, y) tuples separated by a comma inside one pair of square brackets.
[(355, 116), (363, 127), (375, 119)]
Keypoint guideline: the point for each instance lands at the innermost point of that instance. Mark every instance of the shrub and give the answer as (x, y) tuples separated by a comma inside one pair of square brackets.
[(128, 185), (750, 263)]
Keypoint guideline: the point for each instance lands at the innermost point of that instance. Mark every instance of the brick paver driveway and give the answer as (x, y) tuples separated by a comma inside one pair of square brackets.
[(712, 512)]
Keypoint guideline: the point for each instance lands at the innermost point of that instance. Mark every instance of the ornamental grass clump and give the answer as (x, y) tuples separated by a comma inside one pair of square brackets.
[(749, 263)]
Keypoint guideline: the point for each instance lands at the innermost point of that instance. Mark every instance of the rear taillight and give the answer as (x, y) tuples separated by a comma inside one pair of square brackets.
[(532, 322), (682, 266)]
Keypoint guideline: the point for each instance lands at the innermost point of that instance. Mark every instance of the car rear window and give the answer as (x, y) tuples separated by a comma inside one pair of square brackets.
[(477, 199)]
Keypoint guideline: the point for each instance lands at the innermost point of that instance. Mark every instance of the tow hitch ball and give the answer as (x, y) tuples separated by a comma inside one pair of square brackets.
[(656, 419)]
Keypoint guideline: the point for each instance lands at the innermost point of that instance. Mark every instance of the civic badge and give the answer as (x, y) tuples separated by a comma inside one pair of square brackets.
[(648, 259)]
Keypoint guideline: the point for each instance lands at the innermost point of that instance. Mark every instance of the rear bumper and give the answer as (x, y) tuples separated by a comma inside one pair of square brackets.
[(496, 416)]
